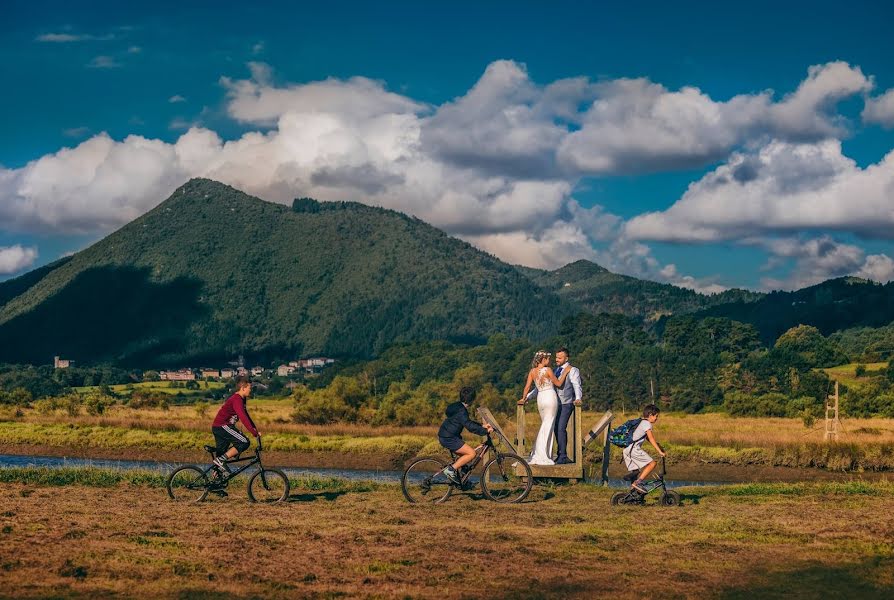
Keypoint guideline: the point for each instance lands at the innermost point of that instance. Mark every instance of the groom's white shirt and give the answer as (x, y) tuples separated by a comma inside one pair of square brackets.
[(576, 384)]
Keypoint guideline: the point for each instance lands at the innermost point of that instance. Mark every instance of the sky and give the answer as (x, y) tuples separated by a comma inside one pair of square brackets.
[(709, 148)]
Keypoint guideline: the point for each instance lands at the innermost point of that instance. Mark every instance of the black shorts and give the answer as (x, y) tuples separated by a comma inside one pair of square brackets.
[(451, 443), (227, 435)]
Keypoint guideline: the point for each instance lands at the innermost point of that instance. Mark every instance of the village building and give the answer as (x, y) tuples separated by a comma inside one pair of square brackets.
[(179, 375), (61, 363), (257, 371), (285, 370), (227, 373), (210, 373)]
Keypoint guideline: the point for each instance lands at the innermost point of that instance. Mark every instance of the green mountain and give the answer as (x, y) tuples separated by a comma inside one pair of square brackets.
[(834, 305), (598, 290), (212, 272)]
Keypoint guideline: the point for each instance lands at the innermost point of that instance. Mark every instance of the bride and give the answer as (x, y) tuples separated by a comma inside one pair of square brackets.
[(546, 381)]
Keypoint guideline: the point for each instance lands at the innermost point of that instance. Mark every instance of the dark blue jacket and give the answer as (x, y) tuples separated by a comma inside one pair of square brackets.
[(457, 419)]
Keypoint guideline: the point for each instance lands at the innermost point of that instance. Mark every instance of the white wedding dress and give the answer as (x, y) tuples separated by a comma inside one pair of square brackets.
[(547, 406)]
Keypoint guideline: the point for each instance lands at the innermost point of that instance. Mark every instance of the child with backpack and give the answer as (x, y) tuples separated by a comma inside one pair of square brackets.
[(635, 458)]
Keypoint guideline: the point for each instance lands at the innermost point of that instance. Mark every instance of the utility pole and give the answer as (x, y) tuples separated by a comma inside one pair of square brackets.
[(832, 422)]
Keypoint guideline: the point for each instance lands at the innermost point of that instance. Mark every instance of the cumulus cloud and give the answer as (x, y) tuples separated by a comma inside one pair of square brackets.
[(637, 126), (880, 110), (16, 258), (176, 98), (782, 188), (821, 258)]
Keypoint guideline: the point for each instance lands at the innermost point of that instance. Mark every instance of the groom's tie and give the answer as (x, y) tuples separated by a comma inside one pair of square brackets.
[(559, 371)]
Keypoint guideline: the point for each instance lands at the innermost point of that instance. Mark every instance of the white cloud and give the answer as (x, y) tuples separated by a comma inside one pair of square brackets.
[(258, 48), (176, 98), (781, 188), (821, 258), (104, 62), (16, 258), (258, 101), (636, 126), (134, 50), (880, 110), (66, 37)]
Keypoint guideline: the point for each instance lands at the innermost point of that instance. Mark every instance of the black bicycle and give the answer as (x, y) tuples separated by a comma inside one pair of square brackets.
[(633, 496), (506, 477), (191, 483)]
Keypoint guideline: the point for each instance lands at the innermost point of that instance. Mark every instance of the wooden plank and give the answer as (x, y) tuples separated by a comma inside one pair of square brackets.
[(598, 427), (489, 418), (569, 471), (521, 445)]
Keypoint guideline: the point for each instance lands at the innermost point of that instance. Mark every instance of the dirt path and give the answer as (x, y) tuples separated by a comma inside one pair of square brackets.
[(565, 543)]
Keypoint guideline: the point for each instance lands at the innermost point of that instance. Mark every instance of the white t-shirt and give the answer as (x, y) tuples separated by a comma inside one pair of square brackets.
[(639, 434)]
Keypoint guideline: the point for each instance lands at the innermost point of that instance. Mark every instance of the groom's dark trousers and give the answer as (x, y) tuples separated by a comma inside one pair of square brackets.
[(561, 429)]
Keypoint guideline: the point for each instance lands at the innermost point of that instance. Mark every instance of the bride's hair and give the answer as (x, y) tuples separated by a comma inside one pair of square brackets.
[(538, 358)]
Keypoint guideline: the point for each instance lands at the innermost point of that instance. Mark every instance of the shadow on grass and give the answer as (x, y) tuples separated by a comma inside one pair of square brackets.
[(314, 496), (822, 581)]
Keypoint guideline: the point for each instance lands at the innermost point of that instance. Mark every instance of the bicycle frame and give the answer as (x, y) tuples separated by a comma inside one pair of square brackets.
[(480, 451), (228, 475)]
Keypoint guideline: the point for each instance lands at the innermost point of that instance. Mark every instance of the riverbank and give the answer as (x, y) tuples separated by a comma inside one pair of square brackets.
[(337, 539)]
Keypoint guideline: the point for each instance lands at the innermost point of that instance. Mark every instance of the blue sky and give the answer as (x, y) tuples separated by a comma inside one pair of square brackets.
[(545, 186)]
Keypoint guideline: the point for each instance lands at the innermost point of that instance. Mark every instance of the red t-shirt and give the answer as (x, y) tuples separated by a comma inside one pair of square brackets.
[(233, 411)]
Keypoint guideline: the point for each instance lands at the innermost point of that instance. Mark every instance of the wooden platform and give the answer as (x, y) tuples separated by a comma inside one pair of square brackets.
[(576, 443)]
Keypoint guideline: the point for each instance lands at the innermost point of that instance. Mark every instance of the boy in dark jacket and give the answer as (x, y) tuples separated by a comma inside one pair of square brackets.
[(450, 433)]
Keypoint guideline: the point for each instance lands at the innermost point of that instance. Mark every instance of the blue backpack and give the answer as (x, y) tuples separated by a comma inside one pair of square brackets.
[(622, 436)]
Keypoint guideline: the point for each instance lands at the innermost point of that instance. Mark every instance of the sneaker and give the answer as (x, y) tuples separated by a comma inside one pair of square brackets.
[(221, 463), (220, 493), (452, 475), (637, 485)]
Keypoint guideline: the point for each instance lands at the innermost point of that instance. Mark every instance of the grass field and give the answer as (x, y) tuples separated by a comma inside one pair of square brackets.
[(847, 374), (161, 387), (334, 539)]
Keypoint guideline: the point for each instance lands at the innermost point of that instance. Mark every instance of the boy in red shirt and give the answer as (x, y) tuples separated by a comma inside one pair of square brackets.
[(224, 427)]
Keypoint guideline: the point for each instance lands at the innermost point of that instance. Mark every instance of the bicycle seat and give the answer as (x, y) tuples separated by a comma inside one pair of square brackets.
[(211, 449)]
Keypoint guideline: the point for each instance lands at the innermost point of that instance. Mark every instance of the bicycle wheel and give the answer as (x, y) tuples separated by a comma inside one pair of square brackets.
[(618, 498), (187, 484), (424, 481), (507, 478), (670, 498), (269, 486)]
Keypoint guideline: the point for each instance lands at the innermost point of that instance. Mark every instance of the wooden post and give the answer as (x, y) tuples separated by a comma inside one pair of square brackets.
[(520, 431), (832, 422)]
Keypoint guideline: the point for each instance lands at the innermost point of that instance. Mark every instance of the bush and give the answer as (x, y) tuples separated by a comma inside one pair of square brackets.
[(322, 407), (860, 370), (96, 404)]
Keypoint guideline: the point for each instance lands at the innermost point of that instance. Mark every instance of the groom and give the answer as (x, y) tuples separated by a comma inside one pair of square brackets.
[(570, 395)]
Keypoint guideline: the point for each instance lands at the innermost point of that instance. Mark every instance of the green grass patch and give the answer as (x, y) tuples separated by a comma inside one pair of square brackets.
[(836, 488), (88, 476), (95, 477), (841, 457), (98, 436)]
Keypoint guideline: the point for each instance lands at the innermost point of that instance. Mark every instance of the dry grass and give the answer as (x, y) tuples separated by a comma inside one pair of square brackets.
[(566, 542)]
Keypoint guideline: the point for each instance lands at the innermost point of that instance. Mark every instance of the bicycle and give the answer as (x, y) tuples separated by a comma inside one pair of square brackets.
[(505, 478), (632, 496), (191, 483)]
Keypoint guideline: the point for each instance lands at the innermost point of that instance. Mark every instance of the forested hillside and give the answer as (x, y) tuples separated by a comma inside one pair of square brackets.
[(597, 290), (212, 272)]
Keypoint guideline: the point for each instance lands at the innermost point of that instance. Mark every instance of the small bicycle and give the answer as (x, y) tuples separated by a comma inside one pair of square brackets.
[(505, 478), (632, 496), (191, 483)]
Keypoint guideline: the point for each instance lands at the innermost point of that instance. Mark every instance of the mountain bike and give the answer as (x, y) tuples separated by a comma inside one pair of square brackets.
[(506, 477), (632, 496), (191, 483)]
